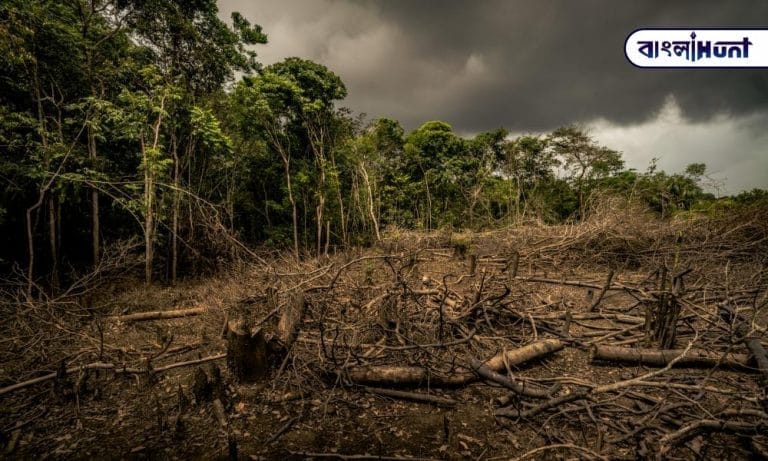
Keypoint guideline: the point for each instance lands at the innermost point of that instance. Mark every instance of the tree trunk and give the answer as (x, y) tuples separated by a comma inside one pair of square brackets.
[(340, 199), (370, 202), (95, 217), (149, 216), (175, 212), (294, 215), (52, 242), (149, 194)]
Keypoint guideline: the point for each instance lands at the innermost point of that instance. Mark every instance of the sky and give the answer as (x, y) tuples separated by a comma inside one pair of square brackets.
[(531, 67)]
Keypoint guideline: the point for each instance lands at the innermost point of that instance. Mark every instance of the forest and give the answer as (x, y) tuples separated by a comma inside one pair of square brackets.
[(149, 158)]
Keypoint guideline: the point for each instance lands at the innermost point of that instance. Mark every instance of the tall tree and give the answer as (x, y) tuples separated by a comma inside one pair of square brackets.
[(583, 158)]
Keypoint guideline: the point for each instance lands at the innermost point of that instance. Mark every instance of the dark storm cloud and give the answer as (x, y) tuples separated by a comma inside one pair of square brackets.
[(523, 65), (561, 61)]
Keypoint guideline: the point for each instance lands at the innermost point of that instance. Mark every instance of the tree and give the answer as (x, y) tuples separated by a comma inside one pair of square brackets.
[(528, 162), (142, 115), (583, 158), (433, 160), (264, 107), (484, 157)]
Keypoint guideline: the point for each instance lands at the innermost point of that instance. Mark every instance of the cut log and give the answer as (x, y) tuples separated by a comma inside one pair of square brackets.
[(661, 358), (290, 321), (158, 315), (418, 376), (523, 354), (246, 352)]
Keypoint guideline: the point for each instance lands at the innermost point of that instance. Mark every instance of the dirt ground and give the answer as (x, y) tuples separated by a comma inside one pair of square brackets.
[(425, 300)]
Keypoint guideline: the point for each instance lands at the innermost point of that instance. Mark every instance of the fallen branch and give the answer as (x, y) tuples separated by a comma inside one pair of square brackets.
[(576, 283), (695, 428), (158, 315), (405, 376), (604, 290), (281, 431), (517, 387), (511, 412), (412, 396)]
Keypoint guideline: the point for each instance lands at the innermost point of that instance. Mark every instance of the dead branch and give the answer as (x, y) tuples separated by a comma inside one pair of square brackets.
[(412, 396), (695, 428), (604, 290), (158, 315), (517, 387), (510, 412)]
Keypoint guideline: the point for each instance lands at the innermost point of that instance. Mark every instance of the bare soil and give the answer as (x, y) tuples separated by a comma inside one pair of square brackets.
[(364, 309)]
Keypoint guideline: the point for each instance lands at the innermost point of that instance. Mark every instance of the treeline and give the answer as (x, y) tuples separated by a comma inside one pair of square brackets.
[(122, 126)]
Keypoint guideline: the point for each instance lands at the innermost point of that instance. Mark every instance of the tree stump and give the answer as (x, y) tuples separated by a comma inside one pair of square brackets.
[(246, 352)]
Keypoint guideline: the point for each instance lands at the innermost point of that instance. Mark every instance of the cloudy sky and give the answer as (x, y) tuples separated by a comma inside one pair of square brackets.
[(533, 66)]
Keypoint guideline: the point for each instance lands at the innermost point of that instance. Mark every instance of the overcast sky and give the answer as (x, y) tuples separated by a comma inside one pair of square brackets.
[(533, 66)]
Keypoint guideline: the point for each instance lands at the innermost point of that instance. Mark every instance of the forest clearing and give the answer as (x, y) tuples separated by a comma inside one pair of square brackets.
[(619, 337)]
